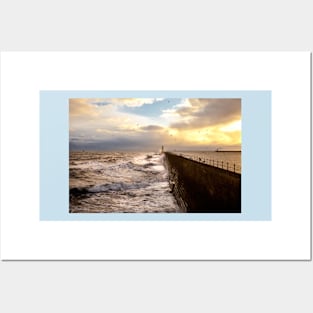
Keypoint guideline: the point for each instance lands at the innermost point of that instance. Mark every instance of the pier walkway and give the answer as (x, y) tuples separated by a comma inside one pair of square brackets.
[(223, 164), (201, 187)]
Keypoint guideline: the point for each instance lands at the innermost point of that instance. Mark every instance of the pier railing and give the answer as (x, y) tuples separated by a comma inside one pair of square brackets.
[(202, 188), (225, 165)]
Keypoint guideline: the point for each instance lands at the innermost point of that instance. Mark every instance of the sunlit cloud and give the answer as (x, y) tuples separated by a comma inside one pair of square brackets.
[(81, 108), (181, 123), (206, 112), (231, 127)]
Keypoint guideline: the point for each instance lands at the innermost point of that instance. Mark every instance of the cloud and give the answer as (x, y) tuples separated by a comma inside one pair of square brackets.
[(105, 124), (152, 128), (106, 128), (205, 112), (81, 107), (127, 102)]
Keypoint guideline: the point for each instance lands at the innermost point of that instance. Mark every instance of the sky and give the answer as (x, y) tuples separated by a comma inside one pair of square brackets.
[(146, 124)]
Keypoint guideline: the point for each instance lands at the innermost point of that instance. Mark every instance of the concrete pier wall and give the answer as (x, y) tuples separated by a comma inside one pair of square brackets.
[(201, 188)]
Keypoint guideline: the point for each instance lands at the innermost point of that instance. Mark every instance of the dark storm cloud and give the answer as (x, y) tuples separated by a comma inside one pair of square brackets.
[(109, 145), (149, 139), (151, 128), (114, 145), (100, 103), (208, 112)]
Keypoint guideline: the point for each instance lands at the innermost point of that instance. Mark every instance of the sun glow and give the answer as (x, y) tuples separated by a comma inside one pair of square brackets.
[(172, 132), (151, 122), (231, 127)]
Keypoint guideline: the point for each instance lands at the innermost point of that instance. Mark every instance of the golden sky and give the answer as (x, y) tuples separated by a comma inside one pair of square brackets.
[(149, 123)]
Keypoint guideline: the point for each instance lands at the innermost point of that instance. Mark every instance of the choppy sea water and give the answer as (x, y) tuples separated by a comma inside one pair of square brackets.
[(119, 182), (130, 182)]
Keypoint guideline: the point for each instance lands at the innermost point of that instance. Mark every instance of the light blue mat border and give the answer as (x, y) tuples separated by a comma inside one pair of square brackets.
[(54, 156)]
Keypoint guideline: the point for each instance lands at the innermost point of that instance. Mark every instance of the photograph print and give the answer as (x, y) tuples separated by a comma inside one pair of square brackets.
[(155, 155)]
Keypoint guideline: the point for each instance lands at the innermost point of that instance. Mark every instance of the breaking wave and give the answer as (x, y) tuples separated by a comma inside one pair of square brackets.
[(119, 182)]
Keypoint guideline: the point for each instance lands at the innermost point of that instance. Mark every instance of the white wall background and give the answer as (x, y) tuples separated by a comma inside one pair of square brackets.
[(156, 286)]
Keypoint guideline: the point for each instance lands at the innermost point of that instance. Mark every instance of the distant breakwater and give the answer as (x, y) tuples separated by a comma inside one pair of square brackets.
[(202, 188)]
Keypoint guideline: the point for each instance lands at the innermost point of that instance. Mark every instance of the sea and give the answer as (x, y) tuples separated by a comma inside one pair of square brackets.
[(126, 182)]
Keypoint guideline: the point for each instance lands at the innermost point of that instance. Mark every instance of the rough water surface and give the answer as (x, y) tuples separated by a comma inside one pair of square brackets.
[(119, 182)]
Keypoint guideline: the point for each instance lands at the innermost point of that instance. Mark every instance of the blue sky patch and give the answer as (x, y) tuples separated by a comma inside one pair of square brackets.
[(152, 109)]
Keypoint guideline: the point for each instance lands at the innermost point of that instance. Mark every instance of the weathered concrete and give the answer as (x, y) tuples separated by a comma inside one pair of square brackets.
[(201, 188)]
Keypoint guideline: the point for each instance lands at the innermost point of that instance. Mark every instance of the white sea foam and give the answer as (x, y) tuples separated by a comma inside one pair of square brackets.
[(119, 182)]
